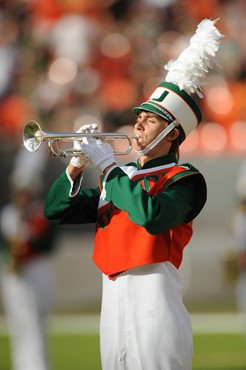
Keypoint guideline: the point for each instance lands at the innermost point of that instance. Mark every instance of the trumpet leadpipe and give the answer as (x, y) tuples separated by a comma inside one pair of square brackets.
[(33, 136)]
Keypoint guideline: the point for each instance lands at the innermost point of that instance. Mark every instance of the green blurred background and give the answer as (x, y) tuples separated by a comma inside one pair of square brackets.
[(81, 352)]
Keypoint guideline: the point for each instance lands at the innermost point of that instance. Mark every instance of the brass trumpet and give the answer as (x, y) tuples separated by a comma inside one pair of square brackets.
[(33, 137)]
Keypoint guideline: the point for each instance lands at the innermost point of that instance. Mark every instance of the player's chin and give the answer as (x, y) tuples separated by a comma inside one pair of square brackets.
[(138, 146)]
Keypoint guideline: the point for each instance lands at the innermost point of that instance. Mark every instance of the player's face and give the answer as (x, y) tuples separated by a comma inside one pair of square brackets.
[(147, 127)]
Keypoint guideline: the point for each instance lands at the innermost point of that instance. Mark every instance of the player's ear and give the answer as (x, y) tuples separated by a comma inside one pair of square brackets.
[(173, 135)]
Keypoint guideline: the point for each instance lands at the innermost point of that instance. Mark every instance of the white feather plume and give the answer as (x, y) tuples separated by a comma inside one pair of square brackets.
[(190, 69)]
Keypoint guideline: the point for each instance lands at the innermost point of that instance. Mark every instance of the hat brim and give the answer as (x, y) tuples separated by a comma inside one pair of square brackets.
[(149, 107), (153, 108)]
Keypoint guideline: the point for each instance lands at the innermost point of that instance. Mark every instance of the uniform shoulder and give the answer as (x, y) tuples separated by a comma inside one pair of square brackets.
[(190, 178), (188, 167), (181, 171)]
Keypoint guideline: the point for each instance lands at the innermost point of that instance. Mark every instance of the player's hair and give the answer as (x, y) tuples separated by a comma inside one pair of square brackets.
[(175, 148)]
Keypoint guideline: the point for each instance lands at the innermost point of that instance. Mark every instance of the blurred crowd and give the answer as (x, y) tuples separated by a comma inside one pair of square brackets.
[(69, 63), (66, 63)]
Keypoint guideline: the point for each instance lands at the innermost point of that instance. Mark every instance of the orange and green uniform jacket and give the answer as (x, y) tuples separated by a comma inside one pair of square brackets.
[(142, 215)]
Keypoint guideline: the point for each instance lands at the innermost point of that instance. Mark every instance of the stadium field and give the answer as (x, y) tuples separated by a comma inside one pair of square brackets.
[(81, 352), (219, 342)]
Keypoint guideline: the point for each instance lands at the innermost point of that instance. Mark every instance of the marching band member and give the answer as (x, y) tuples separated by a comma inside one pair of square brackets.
[(143, 213), (27, 241)]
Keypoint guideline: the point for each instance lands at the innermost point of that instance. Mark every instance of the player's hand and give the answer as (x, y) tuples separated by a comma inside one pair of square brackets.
[(81, 160), (100, 154)]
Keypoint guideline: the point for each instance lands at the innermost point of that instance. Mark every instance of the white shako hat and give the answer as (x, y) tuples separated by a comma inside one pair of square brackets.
[(171, 100)]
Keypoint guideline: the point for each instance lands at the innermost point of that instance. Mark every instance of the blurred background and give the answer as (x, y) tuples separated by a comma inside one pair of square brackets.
[(69, 63)]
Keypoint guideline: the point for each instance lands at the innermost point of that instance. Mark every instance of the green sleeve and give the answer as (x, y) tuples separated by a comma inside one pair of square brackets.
[(61, 208), (156, 214)]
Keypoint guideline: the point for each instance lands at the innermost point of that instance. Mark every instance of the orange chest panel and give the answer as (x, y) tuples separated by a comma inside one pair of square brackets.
[(121, 244)]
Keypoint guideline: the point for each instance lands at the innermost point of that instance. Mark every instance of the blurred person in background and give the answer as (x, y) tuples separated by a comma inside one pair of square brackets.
[(27, 242), (238, 227), (143, 213)]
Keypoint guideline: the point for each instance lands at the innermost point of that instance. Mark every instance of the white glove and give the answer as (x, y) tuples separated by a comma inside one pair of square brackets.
[(81, 160), (100, 154)]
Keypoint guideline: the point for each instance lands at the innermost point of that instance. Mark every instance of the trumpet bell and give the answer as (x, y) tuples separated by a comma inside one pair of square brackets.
[(32, 136)]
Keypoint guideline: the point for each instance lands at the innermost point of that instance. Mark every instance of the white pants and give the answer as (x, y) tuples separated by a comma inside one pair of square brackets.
[(27, 301), (144, 324)]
